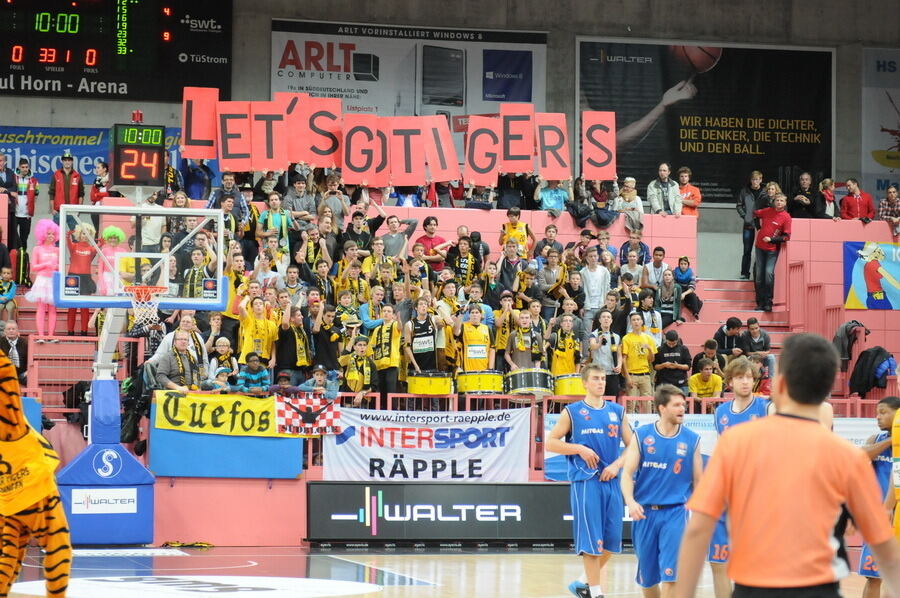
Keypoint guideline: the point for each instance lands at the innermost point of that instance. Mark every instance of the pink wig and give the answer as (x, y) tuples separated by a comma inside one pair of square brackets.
[(43, 227)]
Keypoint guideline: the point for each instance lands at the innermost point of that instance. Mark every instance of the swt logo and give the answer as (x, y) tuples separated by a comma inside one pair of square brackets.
[(201, 25)]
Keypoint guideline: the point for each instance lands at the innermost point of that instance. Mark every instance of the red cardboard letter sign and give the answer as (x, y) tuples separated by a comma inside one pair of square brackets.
[(198, 121), (268, 134), (362, 148), (296, 120), (440, 151), (598, 145), (324, 125), (407, 151), (553, 146), (518, 138), (234, 135), (483, 143)]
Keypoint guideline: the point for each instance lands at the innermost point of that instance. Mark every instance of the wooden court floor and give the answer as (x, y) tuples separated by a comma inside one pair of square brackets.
[(298, 573)]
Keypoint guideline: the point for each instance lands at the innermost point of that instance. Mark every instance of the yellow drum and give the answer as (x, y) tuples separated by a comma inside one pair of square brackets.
[(569, 385), (529, 381), (480, 382), (429, 383)]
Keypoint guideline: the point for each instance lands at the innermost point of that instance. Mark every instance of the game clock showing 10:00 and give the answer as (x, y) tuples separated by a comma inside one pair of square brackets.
[(137, 155)]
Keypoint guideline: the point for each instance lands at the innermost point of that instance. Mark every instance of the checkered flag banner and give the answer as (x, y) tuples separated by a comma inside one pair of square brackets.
[(307, 415)]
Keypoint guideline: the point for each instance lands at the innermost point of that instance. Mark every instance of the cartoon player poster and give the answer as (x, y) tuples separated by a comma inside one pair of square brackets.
[(871, 275)]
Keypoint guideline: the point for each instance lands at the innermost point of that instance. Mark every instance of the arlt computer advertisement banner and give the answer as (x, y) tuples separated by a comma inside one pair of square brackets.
[(392, 70)]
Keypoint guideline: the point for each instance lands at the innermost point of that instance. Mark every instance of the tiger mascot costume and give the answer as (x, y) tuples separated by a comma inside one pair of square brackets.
[(30, 505)]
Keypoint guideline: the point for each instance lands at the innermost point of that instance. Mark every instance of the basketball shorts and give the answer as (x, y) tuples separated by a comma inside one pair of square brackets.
[(718, 545), (867, 565), (656, 541), (597, 511)]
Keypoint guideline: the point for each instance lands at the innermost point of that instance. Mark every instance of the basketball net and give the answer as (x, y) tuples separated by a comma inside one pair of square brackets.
[(145, 303)]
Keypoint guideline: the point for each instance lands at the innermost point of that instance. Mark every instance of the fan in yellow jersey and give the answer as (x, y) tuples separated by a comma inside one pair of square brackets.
[(476, 351), (565, 349), (518, 231), (236, 287), (386, 340), (258, 332), (505, 321), (351, 281), (360, 376), (638, 349), (372, 263)]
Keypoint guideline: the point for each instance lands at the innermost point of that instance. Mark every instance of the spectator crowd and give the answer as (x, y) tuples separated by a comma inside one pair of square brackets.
[(326, 291)]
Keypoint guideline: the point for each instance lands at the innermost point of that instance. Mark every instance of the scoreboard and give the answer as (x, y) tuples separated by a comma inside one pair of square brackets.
[(114, 49)]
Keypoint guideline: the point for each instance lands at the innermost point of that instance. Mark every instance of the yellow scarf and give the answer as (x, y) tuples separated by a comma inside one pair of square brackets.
[(382, 348), (181, 370), (303, 357)]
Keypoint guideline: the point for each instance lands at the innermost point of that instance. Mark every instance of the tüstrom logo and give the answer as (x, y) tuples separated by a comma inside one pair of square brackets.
[(375, 509), (607, 57), (201, 25), (202, 58)]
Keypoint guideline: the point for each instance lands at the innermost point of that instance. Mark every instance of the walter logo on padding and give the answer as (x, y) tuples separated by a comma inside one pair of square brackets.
[(107, 463), (104, 501)]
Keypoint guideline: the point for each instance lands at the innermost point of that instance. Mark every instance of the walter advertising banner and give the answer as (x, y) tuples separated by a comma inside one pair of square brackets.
[(880, 120), (871, 275), (392, 70), (406, 446), (722, 111)]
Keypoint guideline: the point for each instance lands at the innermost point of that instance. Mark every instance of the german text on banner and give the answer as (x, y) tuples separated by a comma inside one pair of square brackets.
[(227, 415), (405, 446)]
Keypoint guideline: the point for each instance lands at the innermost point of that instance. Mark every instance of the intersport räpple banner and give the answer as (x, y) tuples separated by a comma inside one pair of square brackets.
[(722, 111), (392, 70)]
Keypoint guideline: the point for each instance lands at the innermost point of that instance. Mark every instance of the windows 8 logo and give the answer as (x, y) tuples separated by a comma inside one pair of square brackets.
[(375, 511)]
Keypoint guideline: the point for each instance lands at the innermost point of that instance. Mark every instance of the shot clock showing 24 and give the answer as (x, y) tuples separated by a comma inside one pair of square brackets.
[(114, 49), (137, 155)]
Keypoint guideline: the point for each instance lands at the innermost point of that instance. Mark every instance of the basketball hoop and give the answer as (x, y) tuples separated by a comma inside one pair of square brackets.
[(145, 303)]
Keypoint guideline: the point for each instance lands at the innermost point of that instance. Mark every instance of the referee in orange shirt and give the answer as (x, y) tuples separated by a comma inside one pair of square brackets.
[(783, 480)]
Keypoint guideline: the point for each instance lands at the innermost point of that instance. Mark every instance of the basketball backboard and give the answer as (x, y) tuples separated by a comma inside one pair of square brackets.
[(115, 265)]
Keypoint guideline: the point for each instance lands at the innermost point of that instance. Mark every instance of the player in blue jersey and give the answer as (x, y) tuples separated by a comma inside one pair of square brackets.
[(878, 447), (662, 466), (590, 433), (741, 375)]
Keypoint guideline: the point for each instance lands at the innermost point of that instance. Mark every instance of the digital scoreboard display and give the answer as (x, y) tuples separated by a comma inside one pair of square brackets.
[(114, 49), (137, 155)]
